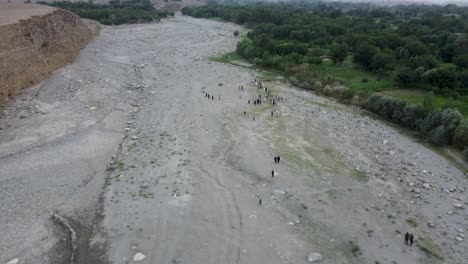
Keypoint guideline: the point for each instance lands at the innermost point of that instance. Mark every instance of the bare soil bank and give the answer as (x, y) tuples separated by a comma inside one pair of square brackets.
[(31, 49)]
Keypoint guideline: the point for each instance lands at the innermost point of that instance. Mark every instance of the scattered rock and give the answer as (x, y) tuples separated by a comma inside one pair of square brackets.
[(459, 239), (138, 257), (13, 261), (279, 192), (430, 224), (314, 257), (426, 186), (417, 190), (134, 137), (144, 185), (458, 205)]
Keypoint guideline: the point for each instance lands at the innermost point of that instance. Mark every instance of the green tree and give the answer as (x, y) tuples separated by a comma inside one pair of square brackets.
[(338, 53), (364, 54)]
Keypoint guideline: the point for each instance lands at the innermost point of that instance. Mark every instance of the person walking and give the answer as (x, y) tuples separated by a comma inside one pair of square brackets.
[(259, 201), (407, 235), (272, 174), (411, 239), (279, 158)]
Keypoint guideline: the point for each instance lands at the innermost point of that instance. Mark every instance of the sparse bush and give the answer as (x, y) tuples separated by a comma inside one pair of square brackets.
[(465, 153), (236, 33), (460, 136), (355, 249), (318, 85), (328, 90), (440, 125)]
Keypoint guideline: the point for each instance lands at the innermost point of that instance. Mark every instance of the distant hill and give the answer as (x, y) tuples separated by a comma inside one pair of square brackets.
[(166, 5)]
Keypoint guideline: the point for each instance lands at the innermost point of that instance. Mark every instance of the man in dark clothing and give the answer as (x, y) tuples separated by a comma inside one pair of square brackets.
[(259, 201), (411, 239), (271, 113), (249, 101), (278, 158), (212, 97), (245, 112), (407, 238), (272, 174)]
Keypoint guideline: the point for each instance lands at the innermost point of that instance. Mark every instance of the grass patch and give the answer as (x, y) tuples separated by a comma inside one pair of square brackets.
[(353, 77), (360, 175), (226, 57), (412, 222), (416, 96), (268, 76), (355, 249), (431, 249)]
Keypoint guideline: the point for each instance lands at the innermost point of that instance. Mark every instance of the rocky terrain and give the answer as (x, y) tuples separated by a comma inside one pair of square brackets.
[(124, 149), (36, 40)]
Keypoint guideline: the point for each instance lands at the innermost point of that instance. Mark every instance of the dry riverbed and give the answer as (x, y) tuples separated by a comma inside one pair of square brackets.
[(126, 147)]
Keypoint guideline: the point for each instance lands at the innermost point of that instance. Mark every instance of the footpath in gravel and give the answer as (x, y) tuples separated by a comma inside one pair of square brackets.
[(192, 179)]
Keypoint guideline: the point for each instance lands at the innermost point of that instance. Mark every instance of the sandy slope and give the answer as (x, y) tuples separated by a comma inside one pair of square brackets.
[(188, 172)]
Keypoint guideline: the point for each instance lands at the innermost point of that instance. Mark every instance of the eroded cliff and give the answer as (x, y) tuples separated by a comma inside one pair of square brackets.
[(31, 49)]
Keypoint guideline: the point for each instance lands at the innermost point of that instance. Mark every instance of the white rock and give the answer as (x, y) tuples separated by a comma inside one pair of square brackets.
[(314, 257), (458, 205), (385, 142), (13, 261), (279, 192), (134, 137), (138, 257), (459, 239), (426, 186), (92, 108)]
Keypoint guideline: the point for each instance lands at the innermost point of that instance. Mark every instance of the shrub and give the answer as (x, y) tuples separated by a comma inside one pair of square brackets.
[(318, 85), (460, 136), (465, 153), (236, 33), (328, 90), (347, 94), (439, 136), (405, 75), (440, 125)]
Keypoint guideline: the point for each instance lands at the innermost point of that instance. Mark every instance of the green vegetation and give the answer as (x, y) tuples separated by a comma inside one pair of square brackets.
[(412, 222), (431, 249), (361, 53), (226, 57), (116, 12), (355, 249)]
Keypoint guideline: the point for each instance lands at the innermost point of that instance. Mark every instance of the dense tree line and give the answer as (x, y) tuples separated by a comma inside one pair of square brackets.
[(424, 46), (419, 45), (116, 12)]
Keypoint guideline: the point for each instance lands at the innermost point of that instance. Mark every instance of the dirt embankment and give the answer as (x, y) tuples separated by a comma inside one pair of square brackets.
[(31, 49)]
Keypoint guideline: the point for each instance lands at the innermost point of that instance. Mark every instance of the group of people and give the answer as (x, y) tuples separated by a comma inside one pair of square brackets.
[(207, 95), (409, 239)]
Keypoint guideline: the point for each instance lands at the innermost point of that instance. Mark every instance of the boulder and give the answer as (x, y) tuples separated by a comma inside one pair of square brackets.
[(139, 257), (314, 257)]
